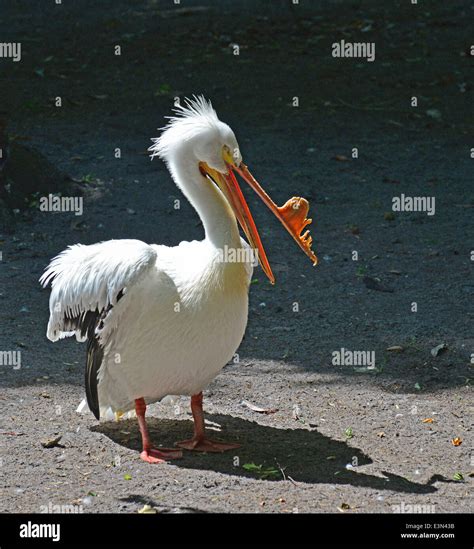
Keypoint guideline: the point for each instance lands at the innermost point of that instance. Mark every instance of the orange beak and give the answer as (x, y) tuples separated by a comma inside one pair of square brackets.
[(292, 215), (231, 190)]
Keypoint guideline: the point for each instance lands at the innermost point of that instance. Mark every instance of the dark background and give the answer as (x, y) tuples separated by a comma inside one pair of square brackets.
[(113, 101)]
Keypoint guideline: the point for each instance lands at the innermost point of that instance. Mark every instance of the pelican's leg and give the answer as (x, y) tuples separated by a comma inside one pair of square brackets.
[(150, 454), (199, 442)]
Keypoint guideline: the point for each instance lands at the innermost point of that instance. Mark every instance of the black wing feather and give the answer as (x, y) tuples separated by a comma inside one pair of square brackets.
[(87, 322), (95, 355)]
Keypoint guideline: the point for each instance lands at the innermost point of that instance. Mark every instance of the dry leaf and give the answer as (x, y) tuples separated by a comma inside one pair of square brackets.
[(258, 408), (395, 348), (340, 158), (428, 420), (381, 434), (344, 507), (435, 351), (457, 441)]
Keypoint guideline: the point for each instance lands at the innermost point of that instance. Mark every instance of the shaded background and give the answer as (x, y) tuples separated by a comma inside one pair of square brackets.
[(113, 101)]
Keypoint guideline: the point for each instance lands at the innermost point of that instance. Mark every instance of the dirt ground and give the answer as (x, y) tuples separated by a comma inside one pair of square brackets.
[(344, 438)]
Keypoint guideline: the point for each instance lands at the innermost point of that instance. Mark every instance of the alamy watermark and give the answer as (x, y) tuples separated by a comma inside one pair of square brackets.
[(404, 203), (413, 508), (11, 50), (228, 254), (354, 49), (35, 530), (345, 357), (61, 509), (53, 203), (11, 358)]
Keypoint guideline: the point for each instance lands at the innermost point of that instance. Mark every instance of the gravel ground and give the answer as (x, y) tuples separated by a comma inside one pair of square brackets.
[(343, 437)]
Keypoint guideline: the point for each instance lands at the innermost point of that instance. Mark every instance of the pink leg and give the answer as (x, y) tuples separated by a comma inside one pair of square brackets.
[(150, 454), (199, 442)]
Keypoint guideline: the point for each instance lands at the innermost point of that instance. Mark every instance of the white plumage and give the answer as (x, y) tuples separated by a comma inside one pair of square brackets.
[(89, 278), (182, 315), (182, 312), (159, 320)]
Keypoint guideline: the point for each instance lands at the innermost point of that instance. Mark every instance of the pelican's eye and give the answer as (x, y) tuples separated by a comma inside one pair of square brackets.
[(228, 155)]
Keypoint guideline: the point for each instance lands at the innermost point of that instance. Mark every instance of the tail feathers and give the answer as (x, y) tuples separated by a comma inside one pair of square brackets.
[(106, 414)]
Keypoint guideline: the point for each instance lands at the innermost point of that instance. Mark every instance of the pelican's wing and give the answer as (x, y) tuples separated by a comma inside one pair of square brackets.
[(86, 282), (90, 279)]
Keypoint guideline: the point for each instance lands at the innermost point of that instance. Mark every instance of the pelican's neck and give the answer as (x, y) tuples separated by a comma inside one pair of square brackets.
[(218, 219)]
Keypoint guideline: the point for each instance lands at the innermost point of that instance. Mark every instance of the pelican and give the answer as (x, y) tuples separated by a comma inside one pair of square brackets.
[(162, 320)]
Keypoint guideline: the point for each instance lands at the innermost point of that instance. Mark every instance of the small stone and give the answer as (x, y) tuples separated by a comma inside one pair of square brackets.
[(51, 442)]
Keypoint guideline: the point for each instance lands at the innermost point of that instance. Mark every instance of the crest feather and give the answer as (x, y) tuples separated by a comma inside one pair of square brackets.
[(195, 115)]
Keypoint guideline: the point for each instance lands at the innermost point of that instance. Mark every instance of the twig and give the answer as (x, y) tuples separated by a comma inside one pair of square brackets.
[(281, 470), (292, 480)]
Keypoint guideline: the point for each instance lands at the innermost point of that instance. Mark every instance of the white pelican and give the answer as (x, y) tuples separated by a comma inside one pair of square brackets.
[(165, 320)]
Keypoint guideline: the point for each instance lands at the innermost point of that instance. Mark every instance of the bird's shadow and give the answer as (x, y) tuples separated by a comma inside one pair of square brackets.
[(302, 455)]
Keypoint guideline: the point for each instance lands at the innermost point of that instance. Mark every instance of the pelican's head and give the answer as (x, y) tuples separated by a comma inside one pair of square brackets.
[(197, 133), (218, 148)]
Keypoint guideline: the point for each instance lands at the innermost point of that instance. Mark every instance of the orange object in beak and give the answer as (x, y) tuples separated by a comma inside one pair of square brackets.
[(292, 214)]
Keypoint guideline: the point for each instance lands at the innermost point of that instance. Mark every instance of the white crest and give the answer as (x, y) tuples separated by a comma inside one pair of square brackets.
[(195, 115)]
